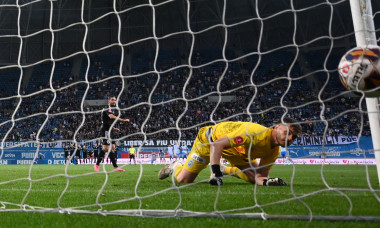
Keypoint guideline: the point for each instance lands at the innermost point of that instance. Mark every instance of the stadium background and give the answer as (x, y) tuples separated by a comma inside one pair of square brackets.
[(164, 97)]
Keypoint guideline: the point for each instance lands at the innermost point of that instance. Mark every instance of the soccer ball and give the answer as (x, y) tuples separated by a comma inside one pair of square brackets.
[(359, 70)]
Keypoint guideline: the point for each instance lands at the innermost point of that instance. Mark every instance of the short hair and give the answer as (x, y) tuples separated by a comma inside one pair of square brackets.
[(292, 122), (110, 96)]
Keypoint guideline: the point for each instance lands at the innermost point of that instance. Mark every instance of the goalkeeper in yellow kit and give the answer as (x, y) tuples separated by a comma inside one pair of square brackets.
[(241, 143)]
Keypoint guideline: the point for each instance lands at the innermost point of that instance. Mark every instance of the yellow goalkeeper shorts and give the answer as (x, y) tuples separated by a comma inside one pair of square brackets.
[(236, 159)]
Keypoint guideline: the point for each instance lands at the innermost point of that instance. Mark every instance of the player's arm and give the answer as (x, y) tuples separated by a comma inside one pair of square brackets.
[(262, 174), (216, 150), (112, 116)]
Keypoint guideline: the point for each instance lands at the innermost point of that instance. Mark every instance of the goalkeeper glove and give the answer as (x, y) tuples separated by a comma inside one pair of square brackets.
[(216, 176), (274, 182)]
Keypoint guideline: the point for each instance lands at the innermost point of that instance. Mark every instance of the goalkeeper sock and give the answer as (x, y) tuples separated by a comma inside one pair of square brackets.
[(177, 169), (237, 173)]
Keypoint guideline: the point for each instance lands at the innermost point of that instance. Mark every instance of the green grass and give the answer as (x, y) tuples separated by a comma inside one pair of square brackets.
[(77, 187)]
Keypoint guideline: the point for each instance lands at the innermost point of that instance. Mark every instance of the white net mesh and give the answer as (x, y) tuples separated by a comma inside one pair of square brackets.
[(174, 67)]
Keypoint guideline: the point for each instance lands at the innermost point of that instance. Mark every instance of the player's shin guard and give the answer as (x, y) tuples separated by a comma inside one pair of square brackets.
[(236, 173)]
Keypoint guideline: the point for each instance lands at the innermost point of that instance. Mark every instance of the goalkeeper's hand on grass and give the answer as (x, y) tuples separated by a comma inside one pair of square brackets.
[(215, 180), (274, 181), (216, 176)]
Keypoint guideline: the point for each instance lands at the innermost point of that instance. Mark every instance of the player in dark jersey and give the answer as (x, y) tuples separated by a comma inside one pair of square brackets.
[(109, 117), (67, 153), (90, 155), (85, 154), (72, 150), (95, 148), (78, 156)]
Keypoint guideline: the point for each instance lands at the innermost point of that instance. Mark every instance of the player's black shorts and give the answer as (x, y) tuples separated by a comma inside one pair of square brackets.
[(95, 154), (66, 154), (132, 156), (106, 137)]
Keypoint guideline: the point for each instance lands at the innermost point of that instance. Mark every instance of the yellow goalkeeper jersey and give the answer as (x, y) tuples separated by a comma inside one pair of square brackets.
[(246, 136)]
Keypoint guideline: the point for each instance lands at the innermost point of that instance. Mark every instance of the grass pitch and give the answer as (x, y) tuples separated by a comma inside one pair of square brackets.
[(313, 190)]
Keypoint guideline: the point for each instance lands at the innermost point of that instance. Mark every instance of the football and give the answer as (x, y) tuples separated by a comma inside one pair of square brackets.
[(359, 70)]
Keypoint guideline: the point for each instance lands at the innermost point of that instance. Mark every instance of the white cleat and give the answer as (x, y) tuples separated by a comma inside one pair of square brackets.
[(166, 171), (222, 169)]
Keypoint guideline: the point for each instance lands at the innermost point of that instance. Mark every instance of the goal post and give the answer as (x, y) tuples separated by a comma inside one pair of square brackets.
[(365, 35)]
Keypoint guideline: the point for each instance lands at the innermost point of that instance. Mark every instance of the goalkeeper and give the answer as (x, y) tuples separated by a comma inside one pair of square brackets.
[(241, 143)]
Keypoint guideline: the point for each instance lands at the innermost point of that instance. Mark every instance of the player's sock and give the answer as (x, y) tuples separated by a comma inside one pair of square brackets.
[(100, 157), (237, 173), (112, 158)]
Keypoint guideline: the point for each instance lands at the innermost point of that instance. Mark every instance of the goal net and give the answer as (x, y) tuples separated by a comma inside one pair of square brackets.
[(174, 67)]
